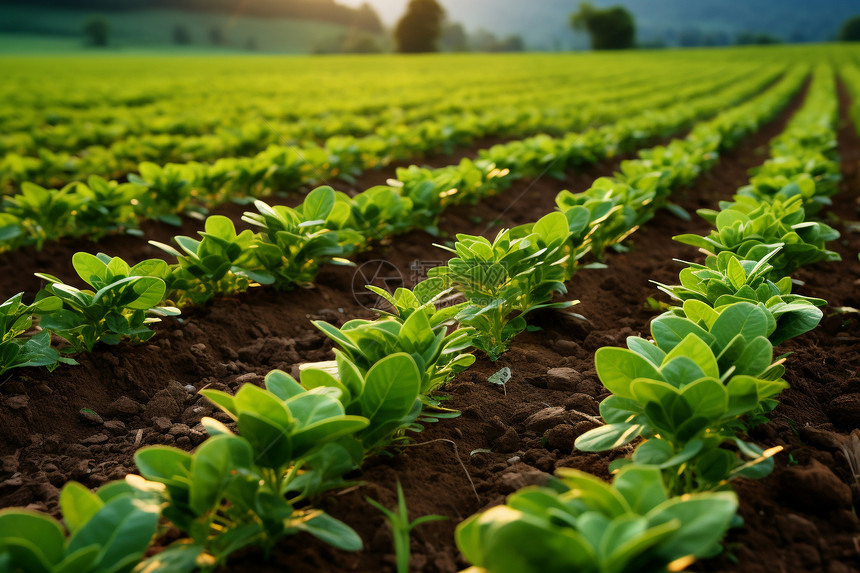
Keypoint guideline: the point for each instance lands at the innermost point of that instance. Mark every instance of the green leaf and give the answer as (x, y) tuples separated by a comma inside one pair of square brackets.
[(78, 505), (653, 452), (123, 529), (318, 204), (668, 331), (283, 385), (213, 469), (736, 273), (89, 267), (608, 437), (704, 518), (700, 313), (618, 367), (221, 227), (644, 348), (333, 532), (501, 377), (741, 318), (391, 387), (699, 352), (44, 538), (641, 486), (163, 463)]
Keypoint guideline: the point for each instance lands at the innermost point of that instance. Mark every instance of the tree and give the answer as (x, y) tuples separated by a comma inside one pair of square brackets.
[(358, 42), (756, 39), (419, 29), (850, 31), (483, 41), (368, 20), (514, 43), (97, 31), (454, 38), (612, 28), (181, 35), (216, 36)]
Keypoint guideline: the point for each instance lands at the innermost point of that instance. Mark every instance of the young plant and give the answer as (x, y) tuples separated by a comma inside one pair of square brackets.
[(231, 492), (295, 243), (401, 527), (433, 190), (105, 532), (437, 354), (686, 393), (106, 207), (752, 229), (517, 273), (16, 319), (43, 215), (404, 303), (387, 394), (163, 191), (609, 211), (583, 524), (219, 264), (121, 304), (11, 232), (374, 214), (726, 279)]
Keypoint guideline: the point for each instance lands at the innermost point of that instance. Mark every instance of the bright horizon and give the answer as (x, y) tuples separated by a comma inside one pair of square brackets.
[(388, 10)]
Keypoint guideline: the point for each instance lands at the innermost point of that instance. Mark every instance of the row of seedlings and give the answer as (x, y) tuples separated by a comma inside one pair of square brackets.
[(693, 390)]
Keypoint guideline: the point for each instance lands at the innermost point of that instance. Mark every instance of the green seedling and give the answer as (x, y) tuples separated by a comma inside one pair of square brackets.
[(401, 527)]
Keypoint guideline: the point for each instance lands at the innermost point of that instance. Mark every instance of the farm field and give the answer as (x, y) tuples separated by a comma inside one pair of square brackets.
[(304, 179)]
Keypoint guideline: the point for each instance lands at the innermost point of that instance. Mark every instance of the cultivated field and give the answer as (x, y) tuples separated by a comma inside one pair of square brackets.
[(531, 314)]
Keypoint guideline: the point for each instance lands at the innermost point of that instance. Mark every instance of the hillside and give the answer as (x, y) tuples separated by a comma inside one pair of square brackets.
[(544, 24), (327, 11)]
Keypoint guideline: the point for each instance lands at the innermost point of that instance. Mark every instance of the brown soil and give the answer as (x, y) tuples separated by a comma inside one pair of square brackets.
[(798, 519)]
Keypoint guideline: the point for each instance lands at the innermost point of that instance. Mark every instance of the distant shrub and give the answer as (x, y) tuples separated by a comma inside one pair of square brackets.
[(181, 35), (850, 31), (97, 31)]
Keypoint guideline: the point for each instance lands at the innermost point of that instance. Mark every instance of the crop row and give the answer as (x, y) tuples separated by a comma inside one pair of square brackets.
[(381, 144), (172, 98), (328, 227), (171, 101), (36, 215), (297, 440), (692, 391), (72, 151)]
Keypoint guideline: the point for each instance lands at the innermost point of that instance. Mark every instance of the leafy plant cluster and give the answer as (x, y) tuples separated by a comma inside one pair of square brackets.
[(292, 244), (690, 392), (505, 279), (121, 303), (542, 154), (252, 482), (622, 203), (37, 215), (850, 74), (708, 373), (804, 155), (71, 151), (502, 280)]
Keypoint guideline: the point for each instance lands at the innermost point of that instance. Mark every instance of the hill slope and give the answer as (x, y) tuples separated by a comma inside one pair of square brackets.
[(544, 23)]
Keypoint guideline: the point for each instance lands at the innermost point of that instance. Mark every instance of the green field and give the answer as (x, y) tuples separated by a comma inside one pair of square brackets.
[(215, 358)]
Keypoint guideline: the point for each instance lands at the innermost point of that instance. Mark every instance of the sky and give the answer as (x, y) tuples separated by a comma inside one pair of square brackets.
[(391, 10)]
